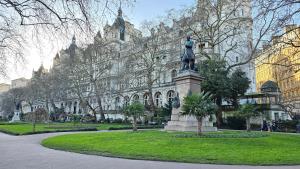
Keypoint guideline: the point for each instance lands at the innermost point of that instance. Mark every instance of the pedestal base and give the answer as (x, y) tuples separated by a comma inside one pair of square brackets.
[(188, 123), (16, 118), (187, 82)]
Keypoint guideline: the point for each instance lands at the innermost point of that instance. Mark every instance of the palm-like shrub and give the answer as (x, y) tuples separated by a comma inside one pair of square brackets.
[(200, 106), (247, 111), (135, 110)]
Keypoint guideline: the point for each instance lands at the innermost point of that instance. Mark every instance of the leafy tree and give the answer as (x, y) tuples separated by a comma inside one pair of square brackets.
[(198, 105), (216, 82), (239, 85), (135, 110), (247, 111), (167, 110)]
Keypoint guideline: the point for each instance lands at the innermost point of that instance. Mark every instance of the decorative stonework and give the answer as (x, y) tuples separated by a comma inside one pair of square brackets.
[(187, 82)]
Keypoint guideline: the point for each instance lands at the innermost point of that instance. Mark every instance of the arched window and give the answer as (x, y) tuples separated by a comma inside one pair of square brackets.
[(117, 103), (126, 100), (146, 98), (135, 98), (158, 100), (170, 95), (75, 107), (173, 74)]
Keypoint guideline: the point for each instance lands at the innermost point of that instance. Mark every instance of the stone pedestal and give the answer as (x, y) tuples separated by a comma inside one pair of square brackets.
[(187, 82), (16, 117)]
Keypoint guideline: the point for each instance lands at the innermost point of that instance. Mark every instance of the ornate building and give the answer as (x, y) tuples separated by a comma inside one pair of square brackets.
[(123, 39), (279, 62)]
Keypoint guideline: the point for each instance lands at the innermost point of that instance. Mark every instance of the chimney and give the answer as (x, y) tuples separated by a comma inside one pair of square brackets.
[(289, 28), (275, 40), (265, 46)]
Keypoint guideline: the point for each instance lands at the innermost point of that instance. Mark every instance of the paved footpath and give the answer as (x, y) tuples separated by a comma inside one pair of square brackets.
[(25, 152)]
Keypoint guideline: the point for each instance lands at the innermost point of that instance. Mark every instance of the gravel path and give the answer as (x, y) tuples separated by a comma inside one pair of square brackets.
[(25, 152)]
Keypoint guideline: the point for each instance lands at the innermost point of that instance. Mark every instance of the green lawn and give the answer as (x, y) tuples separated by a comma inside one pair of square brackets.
[(273, 149), (23, 128)]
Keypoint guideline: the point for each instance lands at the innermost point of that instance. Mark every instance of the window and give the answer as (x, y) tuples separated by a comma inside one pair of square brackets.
[(117, 103), (135, 98), (158, 100), (173, 74), (276, 116), (146, 98), (126, 100), (170, 95)]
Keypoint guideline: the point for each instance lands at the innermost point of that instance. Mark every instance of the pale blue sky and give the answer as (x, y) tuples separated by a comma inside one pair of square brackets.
[(152, 9)]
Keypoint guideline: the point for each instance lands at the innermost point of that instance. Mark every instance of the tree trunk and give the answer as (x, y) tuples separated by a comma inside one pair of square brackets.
[(219, 112), (33, 125), (102, 116), (48, 111), (93, 110), (199, 131), (134, 124), (150, 86), (248, 126), (150, 100)]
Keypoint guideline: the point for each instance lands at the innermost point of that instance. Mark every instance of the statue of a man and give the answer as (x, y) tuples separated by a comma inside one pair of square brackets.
[(176, 101), (188, 58), (18, 105)]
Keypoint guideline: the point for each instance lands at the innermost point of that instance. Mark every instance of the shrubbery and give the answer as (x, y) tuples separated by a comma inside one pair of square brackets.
[(236, 123), (288, 125)]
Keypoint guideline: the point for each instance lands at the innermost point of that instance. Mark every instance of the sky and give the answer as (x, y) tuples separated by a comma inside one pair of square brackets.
[(42, 52)]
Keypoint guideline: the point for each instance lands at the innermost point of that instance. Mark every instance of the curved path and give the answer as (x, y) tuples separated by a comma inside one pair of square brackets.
[(25, 152)]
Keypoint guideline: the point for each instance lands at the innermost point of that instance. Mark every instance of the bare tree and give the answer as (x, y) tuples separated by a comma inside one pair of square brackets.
[(39, 115), (47, 16), (98, 58), (148, 60)]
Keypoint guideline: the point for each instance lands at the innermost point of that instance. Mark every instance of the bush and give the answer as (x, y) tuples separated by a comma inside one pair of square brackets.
[(139, 127), (117, 120), (236, 123), (87, 118), (288, 125), (223, 135), (75, 118), (39, 115)]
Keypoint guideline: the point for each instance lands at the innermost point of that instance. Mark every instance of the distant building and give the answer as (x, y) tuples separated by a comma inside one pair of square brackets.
[(280, 62), (20, 82), (4, 87)]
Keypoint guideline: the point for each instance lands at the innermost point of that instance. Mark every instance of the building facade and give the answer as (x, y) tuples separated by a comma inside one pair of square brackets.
[(4, 87), (20, 82), (122, 37), (280, 62)]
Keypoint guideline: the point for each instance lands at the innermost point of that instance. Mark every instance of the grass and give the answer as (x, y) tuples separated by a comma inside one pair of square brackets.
[(273, 149), (26, 128)]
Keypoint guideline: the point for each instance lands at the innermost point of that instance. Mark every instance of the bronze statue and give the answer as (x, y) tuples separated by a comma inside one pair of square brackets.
[(188, 57), (176, 101)]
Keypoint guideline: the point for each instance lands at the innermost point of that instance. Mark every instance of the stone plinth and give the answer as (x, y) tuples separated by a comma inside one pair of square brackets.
[(187, 82), (16, 117)]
